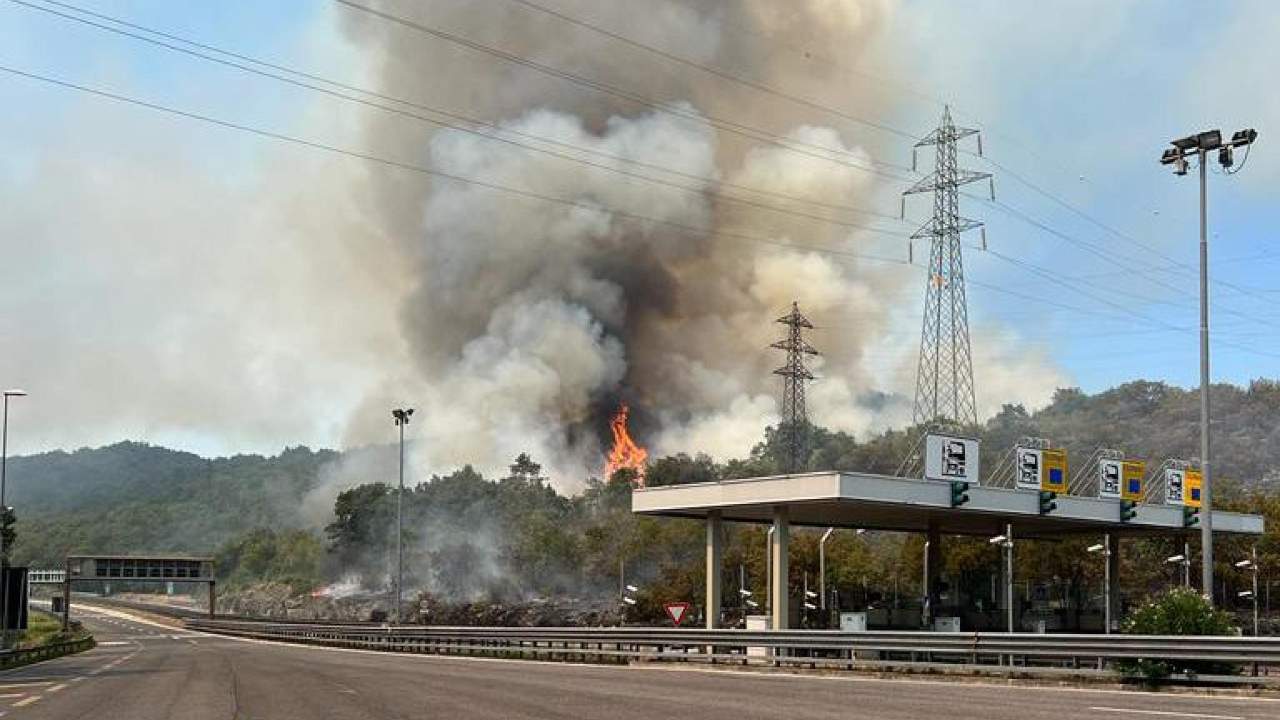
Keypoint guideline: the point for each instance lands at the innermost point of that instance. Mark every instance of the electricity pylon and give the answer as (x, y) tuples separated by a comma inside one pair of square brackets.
[(944, 381)]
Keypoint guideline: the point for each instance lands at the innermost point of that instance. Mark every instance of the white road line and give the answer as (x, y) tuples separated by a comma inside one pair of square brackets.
[(6, 686), (1167, 713), (28, 701), (12, 695), (56, 688)]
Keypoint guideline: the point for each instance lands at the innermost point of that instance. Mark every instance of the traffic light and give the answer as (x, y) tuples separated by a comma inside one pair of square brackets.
[(1190, 516), (7, 520), (1047, 504), (1128, 510), (959, 493)]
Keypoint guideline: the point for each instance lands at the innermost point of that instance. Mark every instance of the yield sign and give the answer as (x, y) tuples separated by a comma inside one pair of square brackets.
[(677, 611)]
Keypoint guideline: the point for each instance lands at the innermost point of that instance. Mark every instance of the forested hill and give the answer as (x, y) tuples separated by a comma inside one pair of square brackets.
[(132, 497)]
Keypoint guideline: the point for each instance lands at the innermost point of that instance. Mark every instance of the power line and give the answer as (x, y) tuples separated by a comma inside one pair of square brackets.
[(487, 136), (824, 152), (389, 162)]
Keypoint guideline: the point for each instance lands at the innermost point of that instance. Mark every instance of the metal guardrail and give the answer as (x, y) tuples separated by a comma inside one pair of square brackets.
[(25, 656), (744, 644)]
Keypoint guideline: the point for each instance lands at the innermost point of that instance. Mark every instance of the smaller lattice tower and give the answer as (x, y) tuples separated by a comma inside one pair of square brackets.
[(794, 426)]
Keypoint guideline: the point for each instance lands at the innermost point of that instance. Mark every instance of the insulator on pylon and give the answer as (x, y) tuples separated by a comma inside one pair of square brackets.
[(902, 213), (911, 258), (992, 183), (984, 238), (979, 146), (913, 159)]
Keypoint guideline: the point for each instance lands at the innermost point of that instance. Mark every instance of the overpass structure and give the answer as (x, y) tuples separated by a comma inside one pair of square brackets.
[(136, 568), (879, 502)]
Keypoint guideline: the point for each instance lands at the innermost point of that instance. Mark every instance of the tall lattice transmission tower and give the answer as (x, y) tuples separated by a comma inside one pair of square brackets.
[(944, 381), (794, 427)]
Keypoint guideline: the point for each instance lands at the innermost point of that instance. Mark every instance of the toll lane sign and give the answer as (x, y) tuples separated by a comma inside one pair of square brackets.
[(1029, 463), (1192, 482), (1120, 478), (1174, 484), (1110, 478), (1054, 473), (951, 459)]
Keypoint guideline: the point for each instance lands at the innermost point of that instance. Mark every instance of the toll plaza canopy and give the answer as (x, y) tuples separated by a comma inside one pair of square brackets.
[(879, 502)]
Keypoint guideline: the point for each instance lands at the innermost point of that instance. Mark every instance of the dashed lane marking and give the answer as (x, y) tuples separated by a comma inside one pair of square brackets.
[(28, 701), (56, 688), (1166, 713)]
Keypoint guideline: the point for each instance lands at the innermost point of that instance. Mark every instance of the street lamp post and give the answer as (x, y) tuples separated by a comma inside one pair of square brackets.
[(1006, 541), (1200, 145), (1185, 561), (4, 508), (822, 569), (401, 417), (1105, 550), (1252, 566)]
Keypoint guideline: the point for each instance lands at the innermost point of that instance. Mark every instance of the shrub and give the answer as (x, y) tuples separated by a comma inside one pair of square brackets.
[(1180, 611)]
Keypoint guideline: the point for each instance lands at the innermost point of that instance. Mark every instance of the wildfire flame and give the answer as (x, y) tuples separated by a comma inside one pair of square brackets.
[(625, 453)]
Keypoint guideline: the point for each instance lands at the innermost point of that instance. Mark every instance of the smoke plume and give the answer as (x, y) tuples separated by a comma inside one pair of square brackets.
[(530, 320)]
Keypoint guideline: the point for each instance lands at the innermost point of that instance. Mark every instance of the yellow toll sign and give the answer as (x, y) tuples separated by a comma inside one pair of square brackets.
[(1134, 471), (1053, 471), (1191, 485)]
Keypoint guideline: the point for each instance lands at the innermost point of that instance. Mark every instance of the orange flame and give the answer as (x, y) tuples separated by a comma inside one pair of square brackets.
[(625, 453)]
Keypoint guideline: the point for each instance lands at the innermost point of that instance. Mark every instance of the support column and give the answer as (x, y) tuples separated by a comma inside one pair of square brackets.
[(778, 586), (213, 600), (715, 550), (1113, 571), (932, 571)]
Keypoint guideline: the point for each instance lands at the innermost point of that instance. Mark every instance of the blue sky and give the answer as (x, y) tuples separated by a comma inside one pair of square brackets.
[(1079, 98)]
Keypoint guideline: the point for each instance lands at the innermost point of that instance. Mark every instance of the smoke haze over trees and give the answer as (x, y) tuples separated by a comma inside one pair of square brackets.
[(504, 539)]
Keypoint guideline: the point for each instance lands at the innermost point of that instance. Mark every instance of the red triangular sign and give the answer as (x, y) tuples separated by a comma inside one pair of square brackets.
[(677, 611)]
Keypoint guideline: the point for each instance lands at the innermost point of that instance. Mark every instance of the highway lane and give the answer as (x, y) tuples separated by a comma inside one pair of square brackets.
[(142, 671)]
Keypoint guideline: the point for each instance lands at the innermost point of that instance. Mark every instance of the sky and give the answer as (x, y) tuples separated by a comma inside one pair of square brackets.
[(205, 288)]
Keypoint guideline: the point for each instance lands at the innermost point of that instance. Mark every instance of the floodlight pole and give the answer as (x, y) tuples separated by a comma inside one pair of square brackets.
[(1200, 145), (401, 418), (1206, 489)]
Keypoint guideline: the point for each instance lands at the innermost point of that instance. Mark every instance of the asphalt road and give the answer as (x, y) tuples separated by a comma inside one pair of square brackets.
[(142, 671)]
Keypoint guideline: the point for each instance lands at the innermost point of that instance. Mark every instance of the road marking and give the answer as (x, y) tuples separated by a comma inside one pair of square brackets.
[(109, 643), (6, 686), (1167, 713), (56, 688), (11, 695), (28, 701)]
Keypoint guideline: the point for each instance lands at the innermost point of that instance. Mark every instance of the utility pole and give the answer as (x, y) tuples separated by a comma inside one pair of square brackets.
[(1200, 145), (944, 381), (794, 425), (401, 419)]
